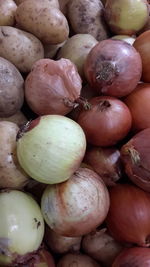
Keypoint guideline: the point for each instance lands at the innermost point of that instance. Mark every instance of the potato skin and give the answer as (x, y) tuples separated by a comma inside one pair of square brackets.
[(11, 174), (7, 12), (54, 3), (51, 26), (19, 47), (18, 118), (11, 89), (86, 16)]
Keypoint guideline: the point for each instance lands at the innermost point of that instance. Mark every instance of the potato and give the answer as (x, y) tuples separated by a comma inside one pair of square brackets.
[(7, 12), (50, 51), (20, 47), (63, 6), (77, 48), (86, 16), (11, 174), (51, 26), (11, 89), (18, 118), (54, 3)]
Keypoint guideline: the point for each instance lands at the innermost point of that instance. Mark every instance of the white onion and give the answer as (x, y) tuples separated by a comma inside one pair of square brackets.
[(21, 225), (52, 148)]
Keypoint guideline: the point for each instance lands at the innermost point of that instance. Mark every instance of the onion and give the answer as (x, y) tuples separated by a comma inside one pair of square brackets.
[(101, 246), (139, 257), (52, 87), (126, 16), (51, 149), (109, 68), (129, 215), (21, 226), (135, 156), (138, 104), (106, 122), (77, 206), (142, 45), (61, 244), (77, 260), (42, 258), (126, 38), (106, 162)]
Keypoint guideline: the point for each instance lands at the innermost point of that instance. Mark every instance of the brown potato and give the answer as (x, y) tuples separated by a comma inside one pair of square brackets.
[(63, 6), (18, 118), (86, 16), (11, 174), (7, 12), (11, 89), (77, 48), (55, 3), (51, 26), (19, 47)]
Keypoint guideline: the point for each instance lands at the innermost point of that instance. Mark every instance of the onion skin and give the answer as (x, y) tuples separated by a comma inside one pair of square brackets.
[(42, 258), (101, 246), (109, 68), (106, 122), (52, 87), (135, 256), (77, 260), (129, 215), (77, 206), (61, 244), (106, 162), (43, 144), (142, 45), (135, 157), (126, 16), (138, 104)]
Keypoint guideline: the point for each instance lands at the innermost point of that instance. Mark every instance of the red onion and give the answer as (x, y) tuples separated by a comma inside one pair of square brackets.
[(77, 206), (101, 246), (77, 260), (106, 122), (128, 218), (113, 67), (138, 104), (142, 45), (61, 244), (135, 156), (134, 257), (52, 87), (106, 162)]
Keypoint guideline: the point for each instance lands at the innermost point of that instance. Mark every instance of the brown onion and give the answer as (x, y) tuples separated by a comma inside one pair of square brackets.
[(77, 206), (135, 155), (106, 122), (109, 68), (61, 244), (77, 260), (142, 45), (138, 104), (52, 87), (128, 218), (134, 257), (106, 162), (101, 246)]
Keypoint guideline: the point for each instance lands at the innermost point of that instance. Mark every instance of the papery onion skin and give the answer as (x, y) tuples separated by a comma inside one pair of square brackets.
[(42, 258), (77, 206), (21, 226), (51, 149), (138, 104), (129, 215), (77, 260), (61, 244), (52, 87), (141, 44), (135, 256), (136, 160), (106, 122), (101, 246), (109, 68), (106, 162)]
